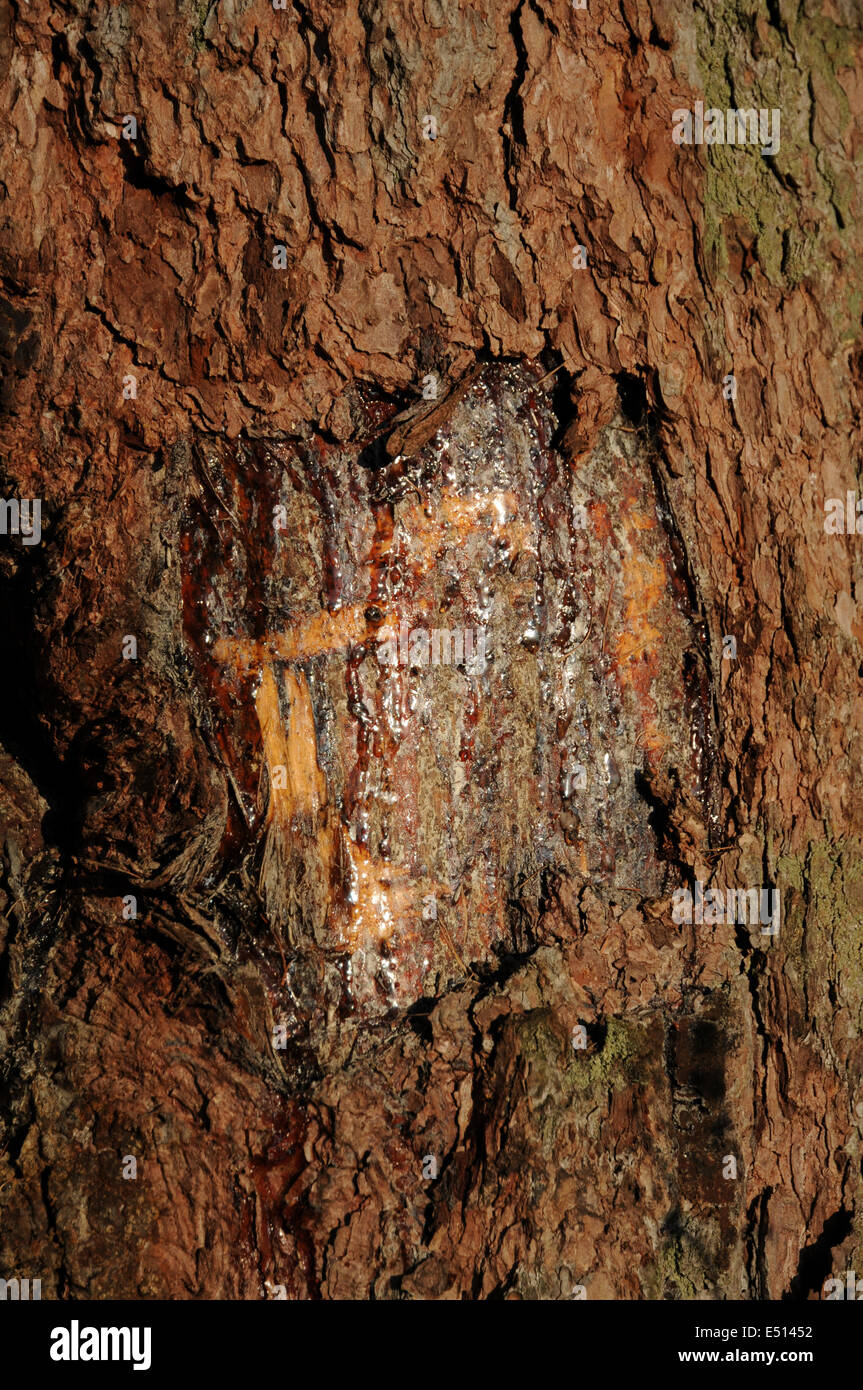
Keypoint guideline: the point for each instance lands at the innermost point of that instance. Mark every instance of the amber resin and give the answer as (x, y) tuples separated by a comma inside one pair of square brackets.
[(440, 679)]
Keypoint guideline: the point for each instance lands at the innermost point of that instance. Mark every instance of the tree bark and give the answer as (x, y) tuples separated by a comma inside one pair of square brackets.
[(335, 963)]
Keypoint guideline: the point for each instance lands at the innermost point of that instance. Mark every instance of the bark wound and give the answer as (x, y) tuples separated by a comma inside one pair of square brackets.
[(415, 791)]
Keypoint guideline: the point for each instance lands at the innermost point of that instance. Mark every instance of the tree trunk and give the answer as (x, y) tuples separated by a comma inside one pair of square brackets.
[(431, 736)]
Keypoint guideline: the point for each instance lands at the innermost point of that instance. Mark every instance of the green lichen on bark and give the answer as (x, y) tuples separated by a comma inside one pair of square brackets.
[(676, 1273), (788, 59), (559, 1086), (621, 1061), (691, 1261), (822, 919), (201, 13)]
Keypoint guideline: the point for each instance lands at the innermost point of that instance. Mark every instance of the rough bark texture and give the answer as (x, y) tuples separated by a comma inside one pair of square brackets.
[(376, 901)]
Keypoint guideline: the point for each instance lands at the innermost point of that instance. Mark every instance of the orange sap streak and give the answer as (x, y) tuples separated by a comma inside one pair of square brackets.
[(296, 782), (378, 894), (644, 584)]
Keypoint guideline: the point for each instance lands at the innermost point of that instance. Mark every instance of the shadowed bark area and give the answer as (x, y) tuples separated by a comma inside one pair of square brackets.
[(324, 330)]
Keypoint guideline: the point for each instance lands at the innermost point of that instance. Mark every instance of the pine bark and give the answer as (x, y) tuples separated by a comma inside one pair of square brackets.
[(236, 310)]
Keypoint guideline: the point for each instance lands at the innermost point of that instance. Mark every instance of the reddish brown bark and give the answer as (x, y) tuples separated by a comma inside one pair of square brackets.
[(411, 1037)]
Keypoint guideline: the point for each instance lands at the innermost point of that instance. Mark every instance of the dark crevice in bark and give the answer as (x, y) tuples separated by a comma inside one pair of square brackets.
[(754, 1244), (513, 109), (114, 331), (633, 397), (656, 41), (86, 52), (816, 1260), (319, 41), (137, 175)]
